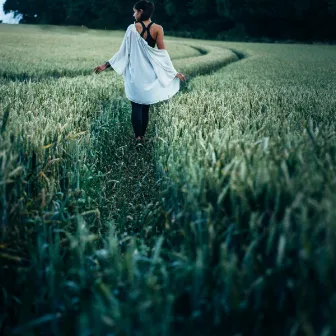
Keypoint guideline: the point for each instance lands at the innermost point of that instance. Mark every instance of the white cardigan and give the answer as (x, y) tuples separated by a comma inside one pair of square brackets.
[(149, 74)]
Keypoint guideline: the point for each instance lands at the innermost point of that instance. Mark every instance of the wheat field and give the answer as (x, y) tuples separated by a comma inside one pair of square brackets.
[(222, 224)]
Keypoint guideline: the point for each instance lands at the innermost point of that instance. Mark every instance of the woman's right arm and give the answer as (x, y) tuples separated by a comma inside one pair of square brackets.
[(159, 39), (161, 45)]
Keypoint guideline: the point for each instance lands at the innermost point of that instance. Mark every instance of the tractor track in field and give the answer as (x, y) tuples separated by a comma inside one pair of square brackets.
[(67, 73)]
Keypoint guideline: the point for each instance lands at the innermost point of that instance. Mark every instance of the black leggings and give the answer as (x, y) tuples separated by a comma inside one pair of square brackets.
[(139, 118)]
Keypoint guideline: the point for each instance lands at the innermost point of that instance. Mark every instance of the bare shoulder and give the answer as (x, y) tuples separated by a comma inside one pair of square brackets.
[(138, 26), (158, 30), (158, 27)]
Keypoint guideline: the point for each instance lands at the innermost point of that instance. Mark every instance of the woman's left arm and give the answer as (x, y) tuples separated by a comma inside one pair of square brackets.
[(119, 61), (102, 67)]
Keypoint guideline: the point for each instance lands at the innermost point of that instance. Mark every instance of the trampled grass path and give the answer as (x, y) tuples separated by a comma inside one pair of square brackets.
[(133, 187)]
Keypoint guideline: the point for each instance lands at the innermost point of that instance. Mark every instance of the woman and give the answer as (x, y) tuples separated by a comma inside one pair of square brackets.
[(148, 73)]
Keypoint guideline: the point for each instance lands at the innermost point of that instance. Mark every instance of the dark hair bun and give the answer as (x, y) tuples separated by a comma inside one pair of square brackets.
[(147, 8)]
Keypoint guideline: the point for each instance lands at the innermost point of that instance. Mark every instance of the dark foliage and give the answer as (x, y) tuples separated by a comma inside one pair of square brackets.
[(304, 20)]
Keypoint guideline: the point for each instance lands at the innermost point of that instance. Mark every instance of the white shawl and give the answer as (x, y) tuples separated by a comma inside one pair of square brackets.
[(149, 74)]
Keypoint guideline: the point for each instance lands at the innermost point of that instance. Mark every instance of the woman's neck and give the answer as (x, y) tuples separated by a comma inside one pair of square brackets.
[(147, 21)]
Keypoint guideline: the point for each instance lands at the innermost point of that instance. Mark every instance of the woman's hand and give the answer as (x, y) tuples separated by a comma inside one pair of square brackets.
[(100, 68), (181, 76)]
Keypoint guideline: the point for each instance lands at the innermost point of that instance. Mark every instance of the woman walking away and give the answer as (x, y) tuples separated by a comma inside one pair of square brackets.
[(149, 75)]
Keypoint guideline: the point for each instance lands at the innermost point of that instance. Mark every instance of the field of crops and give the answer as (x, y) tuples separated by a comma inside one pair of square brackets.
[(223, 223)]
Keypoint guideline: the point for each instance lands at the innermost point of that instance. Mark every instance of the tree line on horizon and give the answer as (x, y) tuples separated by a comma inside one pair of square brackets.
[(305, 20)]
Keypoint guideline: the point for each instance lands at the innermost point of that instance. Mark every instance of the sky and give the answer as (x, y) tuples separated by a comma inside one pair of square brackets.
[(6, 18)]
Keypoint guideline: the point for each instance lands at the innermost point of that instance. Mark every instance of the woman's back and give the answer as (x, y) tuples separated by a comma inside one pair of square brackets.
[(147, 35), (152, 33)]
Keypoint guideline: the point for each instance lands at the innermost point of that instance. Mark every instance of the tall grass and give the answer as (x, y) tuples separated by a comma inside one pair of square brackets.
[(223, 223)]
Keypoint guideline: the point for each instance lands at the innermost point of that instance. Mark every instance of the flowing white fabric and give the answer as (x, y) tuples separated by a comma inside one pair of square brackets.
[(149, 74)]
